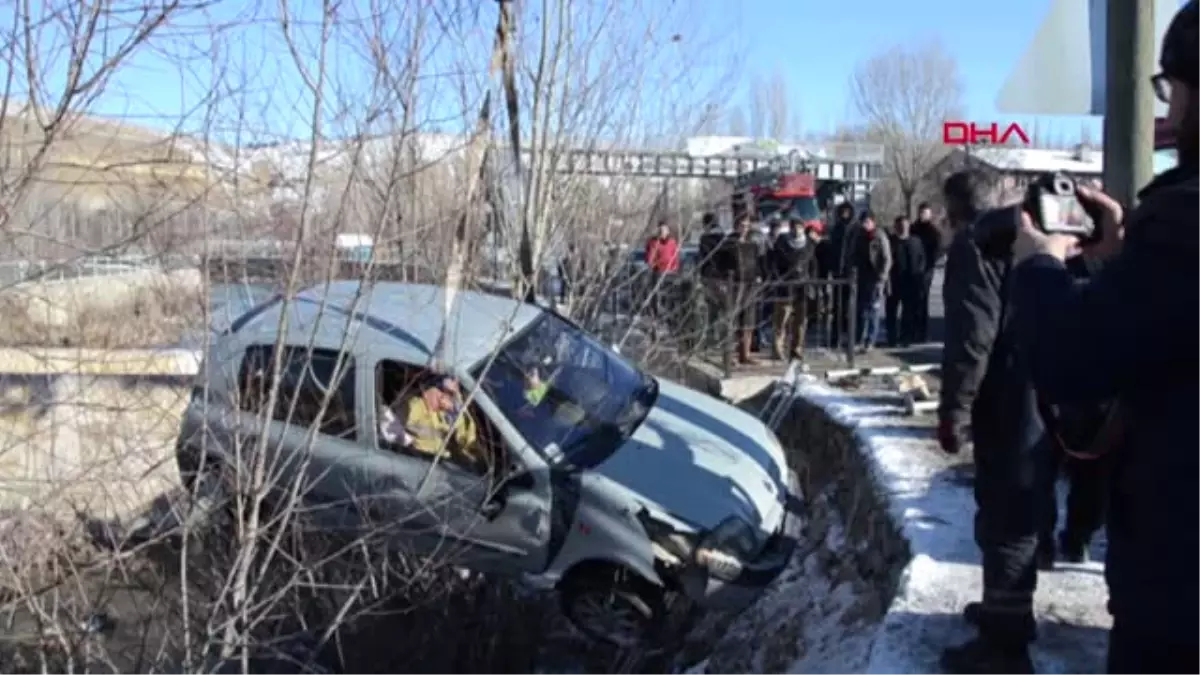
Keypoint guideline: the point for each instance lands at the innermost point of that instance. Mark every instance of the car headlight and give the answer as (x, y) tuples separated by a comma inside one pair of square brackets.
[(725, 548)]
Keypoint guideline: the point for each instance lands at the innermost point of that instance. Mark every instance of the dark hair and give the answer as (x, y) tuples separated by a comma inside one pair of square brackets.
[(964, 193), (709, 219), (844, 207), (900, 219), (1179, 46), (922, 206), (867, 214), (433, 380)]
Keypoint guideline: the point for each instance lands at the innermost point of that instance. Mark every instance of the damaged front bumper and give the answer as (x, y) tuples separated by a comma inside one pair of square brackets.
[(738, 592)]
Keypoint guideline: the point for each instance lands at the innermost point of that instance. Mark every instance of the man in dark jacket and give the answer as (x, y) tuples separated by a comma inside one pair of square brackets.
[(1131, 333), (716, 271), (746, 254), (931, 243), (905, 286), (842, 228), (792, 255), (986, 397)]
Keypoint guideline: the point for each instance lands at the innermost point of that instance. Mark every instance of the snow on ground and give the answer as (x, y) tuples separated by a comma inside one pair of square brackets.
[(932, 498)]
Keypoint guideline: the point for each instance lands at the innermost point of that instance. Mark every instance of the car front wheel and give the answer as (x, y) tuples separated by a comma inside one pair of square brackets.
[(613, 605)]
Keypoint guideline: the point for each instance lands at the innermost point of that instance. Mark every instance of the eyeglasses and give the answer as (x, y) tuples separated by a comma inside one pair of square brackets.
[(1162, 87)]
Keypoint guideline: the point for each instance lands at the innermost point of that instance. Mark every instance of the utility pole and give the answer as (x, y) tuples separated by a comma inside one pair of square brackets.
[(1129, 99)]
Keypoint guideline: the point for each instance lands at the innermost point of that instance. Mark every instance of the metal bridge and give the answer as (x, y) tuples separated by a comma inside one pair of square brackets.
[(862, 168)]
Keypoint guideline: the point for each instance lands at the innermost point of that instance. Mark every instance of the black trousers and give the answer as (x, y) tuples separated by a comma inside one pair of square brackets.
[(920, 302), (904, 310), (1010, 484), (1087, 500), (1132, 651)]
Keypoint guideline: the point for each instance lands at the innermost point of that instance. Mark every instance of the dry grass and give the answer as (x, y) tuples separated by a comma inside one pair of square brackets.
[(102, 313)]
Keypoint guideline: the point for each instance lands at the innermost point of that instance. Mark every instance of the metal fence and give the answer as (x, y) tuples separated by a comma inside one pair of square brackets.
[(15, 272), (704, 315)]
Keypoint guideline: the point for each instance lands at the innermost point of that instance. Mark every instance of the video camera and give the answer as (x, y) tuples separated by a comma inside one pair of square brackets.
[(1051, 201)]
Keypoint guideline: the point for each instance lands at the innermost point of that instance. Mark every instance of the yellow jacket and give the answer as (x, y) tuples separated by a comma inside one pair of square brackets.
[(429, 431)]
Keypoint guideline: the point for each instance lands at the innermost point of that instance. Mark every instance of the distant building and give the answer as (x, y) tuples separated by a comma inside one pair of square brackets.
[(1014, 167)]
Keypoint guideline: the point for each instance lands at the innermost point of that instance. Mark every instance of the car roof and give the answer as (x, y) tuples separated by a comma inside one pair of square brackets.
[(408, 318)]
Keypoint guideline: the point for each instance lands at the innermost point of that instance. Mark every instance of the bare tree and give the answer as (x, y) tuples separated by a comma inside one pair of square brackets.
[(904, 95), (737, 123)]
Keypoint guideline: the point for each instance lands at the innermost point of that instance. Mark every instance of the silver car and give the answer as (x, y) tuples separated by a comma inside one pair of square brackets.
[(610, 486)]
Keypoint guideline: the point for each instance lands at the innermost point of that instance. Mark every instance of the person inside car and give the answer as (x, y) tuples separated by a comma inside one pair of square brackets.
[(433, 422)]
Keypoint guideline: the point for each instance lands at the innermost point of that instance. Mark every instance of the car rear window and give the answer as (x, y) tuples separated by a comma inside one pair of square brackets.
[(316, 387)]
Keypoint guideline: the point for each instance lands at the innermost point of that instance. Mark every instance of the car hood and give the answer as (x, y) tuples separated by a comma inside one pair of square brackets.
[(702, 460)]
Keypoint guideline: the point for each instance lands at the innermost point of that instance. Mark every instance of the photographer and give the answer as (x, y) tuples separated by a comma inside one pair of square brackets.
[(986, 397), (1131, 334)]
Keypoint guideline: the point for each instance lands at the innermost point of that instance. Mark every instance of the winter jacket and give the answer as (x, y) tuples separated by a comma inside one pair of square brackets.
[(871, 256), (716, 260), (1131, 333), (908, 259), (662, 255), (839, 235), (791, 257), (747, 260), (931, 241)]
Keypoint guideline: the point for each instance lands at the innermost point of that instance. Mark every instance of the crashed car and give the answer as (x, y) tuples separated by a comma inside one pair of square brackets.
[(600, 481)]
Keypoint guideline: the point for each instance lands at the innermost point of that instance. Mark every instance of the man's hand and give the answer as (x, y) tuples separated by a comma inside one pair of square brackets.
[(1105, 210), (949, 437)]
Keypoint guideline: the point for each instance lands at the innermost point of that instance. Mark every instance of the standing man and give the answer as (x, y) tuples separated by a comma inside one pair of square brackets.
[(842, 230), (872, 260), (904, 296), (662, 257), (747, 263), (987, 397), (930, 237), (792, 255), (716, 272)]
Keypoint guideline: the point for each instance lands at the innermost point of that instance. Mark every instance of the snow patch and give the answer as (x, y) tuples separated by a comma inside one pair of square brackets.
[(931, 499)]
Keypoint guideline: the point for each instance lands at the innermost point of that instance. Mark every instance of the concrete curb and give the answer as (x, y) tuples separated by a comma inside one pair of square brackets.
[(114, 362)]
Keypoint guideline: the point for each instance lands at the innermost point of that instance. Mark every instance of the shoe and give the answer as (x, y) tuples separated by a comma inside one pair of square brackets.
[(984, 656), (973, 613), (1072, 549), (1046, 555)]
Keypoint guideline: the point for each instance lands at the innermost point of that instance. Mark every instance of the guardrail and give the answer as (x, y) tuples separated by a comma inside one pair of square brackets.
[(18, 271), (99, 362)]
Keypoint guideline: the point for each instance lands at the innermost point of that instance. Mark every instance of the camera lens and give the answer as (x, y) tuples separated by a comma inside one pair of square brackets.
[(1064, 186)]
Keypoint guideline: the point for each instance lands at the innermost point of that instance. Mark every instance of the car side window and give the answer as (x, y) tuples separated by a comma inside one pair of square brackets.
[(316, 387)]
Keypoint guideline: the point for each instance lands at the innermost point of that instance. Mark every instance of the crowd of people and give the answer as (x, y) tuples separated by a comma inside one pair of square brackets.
[(768, 282)]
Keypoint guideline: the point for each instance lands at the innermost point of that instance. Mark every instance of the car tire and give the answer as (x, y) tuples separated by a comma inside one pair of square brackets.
[(612, 604)]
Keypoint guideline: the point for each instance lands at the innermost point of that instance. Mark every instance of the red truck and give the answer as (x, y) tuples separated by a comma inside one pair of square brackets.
[(790, 195)]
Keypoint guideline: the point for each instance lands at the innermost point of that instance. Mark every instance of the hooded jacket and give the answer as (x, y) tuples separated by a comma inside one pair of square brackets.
[(1131, 333)]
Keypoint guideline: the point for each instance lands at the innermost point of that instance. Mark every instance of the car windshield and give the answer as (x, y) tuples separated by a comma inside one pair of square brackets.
[(558, 385)]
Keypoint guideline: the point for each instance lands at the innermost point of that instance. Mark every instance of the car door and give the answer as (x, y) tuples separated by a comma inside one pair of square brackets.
[(306, 452), (496, 521), (511, 522)]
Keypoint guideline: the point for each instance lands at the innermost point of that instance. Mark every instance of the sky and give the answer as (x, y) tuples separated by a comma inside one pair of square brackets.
[(814, 45)]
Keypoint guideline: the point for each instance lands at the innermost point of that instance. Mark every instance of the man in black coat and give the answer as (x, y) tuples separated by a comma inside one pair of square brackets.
[(905, 296), (716, 273), (840, 231), (986, 398), (1131, 333), (791, 255), (931, 243)]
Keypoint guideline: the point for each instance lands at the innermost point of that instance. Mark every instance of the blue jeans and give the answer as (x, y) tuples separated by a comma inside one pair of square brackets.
[(869, 308)]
